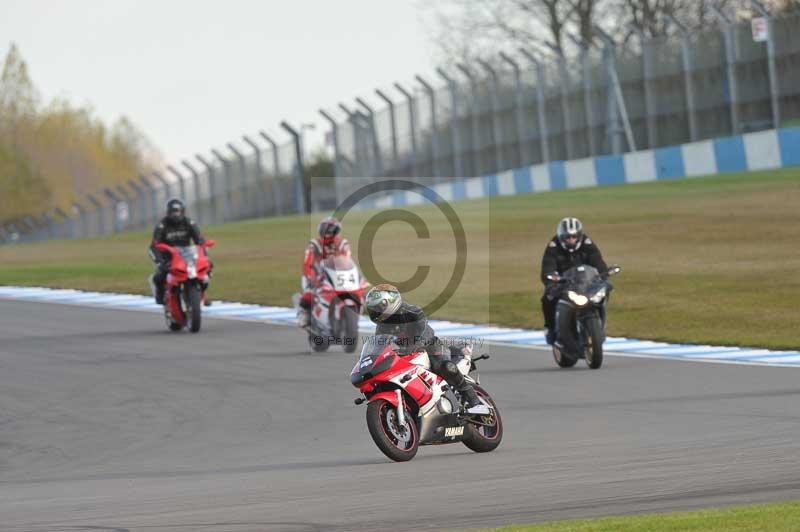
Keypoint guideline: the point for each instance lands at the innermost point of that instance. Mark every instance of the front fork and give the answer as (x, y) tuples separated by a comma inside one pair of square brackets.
[(401, 413)]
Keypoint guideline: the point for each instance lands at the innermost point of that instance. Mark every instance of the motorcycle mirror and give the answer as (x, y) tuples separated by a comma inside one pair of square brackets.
[(613, 270), (210, 243), (553, 277)]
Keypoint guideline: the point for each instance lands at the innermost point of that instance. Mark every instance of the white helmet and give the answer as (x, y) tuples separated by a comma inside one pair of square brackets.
[(570, 234)]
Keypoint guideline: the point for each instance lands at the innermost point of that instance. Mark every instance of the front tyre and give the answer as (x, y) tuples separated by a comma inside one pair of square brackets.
[(318, 344), (194, 300), (563, 359), (350, 319), (400, 443), (484, 433), (594, 351)]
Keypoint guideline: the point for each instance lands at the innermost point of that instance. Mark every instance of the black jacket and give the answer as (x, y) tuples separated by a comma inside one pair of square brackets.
[(410, 325), (181, 233), (557, 259)]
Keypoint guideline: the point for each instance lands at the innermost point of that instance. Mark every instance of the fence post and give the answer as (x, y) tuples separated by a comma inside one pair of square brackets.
[(114, 202), (260, 202), (455, 135), (376, 149), (561, 61), (412, 122), (337, 169), (101, 226), (730, 60), (77, 210), (519, 110), (434, 125), (244, 197), (129, 203), (475, 132), (212, 187), (276, 164), (686, 57), (33, 227), (196, 186), (181, 186), (357, 166), (153, 198), (165, 185), (392, 124), (497, 129), (303, 196), (541, 80), (226, 198), (49, 225), (616, 102), (586, 80), (649, 99), (773, 72), (141, 200)]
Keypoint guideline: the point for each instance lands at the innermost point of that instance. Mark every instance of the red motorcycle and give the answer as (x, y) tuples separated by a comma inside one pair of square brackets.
[(338, 300), (410, 406), (186, 286)]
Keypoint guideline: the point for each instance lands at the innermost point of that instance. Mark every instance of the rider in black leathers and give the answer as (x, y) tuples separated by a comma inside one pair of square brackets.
[(409, 325), (570, 247), (175, 229)]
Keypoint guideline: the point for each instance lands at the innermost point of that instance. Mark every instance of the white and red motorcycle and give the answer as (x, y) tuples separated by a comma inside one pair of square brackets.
[(411, 406), (338, 301)]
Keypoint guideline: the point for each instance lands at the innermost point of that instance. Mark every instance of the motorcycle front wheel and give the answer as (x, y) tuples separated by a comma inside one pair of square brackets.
[(400, 443), (484, 433), (594, 349), (193, 306), (350, 319)]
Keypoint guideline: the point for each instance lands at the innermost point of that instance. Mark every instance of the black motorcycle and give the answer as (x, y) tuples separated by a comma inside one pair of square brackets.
[(581, 315)]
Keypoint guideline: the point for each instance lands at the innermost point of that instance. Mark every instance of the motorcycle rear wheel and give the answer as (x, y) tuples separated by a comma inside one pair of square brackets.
[(398, 443), (487, 433)]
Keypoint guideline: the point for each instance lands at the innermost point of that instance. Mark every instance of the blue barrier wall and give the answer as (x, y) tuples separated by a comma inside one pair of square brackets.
[(753, 151)]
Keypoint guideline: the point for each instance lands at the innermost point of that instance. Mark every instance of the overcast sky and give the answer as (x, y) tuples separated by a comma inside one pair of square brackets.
[(196, 74)]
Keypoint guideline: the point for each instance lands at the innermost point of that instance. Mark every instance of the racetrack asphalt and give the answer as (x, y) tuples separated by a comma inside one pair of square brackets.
[(109, 422)]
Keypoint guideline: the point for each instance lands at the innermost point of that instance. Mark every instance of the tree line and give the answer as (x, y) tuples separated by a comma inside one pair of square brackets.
[(53, 154), (464, 30)]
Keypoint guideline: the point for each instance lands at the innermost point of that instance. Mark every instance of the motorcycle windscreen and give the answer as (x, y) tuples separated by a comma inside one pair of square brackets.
[(189, 256), (342, 273), (583, 279), (377, 355)]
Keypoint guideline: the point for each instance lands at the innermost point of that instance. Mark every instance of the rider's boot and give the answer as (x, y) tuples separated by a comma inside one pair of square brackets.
[(303, 318), (160, 294), (206, 301), (472, 402), (157, 288), (550, 336)]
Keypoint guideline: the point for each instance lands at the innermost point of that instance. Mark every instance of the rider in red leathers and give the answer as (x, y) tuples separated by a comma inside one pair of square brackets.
[(328, 243)]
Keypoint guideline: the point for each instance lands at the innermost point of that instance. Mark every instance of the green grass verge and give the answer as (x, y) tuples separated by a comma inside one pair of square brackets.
[(706, 260), (783, 517)]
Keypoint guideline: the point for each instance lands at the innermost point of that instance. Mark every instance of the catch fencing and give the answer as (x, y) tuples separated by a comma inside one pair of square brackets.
[(519, 110), (513, 111)]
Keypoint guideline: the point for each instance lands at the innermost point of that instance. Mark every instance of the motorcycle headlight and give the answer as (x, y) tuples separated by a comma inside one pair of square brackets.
[(192, 271), (577, 298), (599, 296)]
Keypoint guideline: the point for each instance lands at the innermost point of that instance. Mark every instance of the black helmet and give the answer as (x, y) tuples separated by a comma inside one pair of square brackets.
[(383, 300), (570, 234), (328, 229), (176, 210)]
